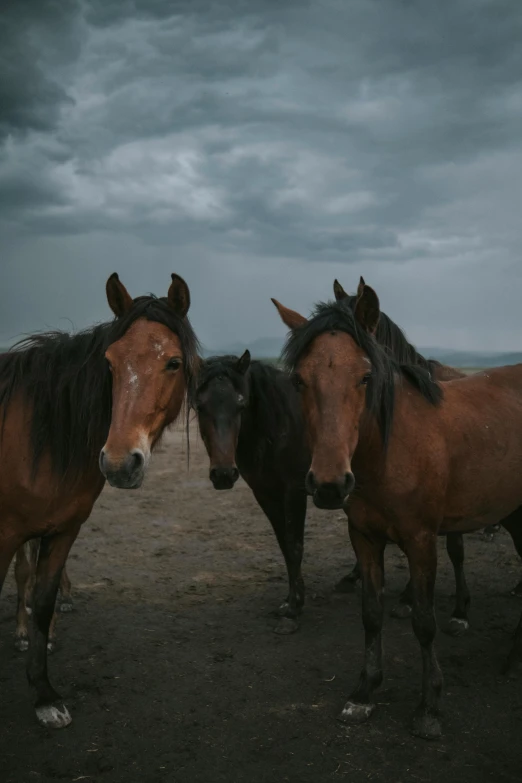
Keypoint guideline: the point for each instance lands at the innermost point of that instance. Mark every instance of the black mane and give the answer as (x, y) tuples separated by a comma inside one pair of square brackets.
[(394, 341), (380, 395), (272, 401), (66, 380)]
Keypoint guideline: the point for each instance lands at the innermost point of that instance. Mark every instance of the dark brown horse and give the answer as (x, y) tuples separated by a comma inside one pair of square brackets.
[(408, 459), (70, 405)]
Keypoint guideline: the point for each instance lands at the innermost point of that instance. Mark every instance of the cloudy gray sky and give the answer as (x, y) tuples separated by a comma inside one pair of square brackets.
[(261, 148)]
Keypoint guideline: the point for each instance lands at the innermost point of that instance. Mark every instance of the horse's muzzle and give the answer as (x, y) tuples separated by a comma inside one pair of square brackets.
[(124, 474), (224, 478), (329, 494)]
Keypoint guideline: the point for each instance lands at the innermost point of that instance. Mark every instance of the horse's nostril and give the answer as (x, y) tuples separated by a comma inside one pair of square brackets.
[(349, 482), (138, 459)]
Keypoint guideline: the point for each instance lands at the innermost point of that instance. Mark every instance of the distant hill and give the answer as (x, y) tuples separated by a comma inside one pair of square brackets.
[(270, 348), (468, 359), (262, 348)]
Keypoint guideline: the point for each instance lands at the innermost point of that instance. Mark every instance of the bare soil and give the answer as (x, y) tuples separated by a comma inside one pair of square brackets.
[(172, 671)]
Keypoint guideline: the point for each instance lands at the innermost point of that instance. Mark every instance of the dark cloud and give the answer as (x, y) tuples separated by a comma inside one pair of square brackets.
[(372, 132)]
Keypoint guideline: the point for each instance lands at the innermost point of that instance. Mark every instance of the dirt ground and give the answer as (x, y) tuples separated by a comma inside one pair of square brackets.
[(172, 672)]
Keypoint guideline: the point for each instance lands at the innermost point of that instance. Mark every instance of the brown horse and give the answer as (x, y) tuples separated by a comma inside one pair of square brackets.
[(393, 340), (408, 459), (62, 398)]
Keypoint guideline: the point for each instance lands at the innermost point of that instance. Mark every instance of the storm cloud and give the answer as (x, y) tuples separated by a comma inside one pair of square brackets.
[(261, 149)]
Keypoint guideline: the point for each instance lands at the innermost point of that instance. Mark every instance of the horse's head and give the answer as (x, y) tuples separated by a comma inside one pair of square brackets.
[(152, 352), (331, 369), (220, 398)]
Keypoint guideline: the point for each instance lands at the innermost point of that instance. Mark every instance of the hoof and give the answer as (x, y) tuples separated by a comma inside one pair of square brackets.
[(66, 607), (21, 643), (53, 717), (517, 591), (426, 726), (401, 611), (356, 713), (286, 626), (51, 645), (456, 627), (488, 535), (347, 584)]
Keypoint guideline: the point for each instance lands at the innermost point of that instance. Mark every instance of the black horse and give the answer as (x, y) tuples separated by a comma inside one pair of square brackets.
[(250, 422)]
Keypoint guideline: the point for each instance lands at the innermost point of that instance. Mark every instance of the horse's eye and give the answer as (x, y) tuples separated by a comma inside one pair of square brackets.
[(298, 381), (173, 364), (366, 378)]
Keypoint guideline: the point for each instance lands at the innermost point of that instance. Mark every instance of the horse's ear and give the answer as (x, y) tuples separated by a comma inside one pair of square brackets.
[(339, 291), (289, 317), (360, 287), (243, 363), (178, 296), (367, 309), (119, 299)]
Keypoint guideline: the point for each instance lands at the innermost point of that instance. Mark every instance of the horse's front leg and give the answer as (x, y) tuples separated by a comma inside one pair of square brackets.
[(370, 556), (422, 557), (50, 709)]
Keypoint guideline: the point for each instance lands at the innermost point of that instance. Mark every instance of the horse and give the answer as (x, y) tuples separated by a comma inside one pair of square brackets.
[(250, 422), (77, 410), (407, 458), (393, 339)]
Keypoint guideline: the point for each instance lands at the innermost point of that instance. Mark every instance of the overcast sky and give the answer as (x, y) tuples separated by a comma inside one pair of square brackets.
[(262, 148)]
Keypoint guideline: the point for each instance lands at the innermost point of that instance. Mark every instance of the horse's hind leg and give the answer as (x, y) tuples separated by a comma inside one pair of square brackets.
[(458, 623), (348, 582), (488, 534), (513, 524), (403, 608), (23, 581), (422, 558), (66, 602), (50, 709)]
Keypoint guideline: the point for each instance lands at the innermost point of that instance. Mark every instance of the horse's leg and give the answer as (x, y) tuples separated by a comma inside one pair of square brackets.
[(458, 623), (422, 558), (513, 524), (66, 602), (488, 534), (403, 608), (295, 517), (23, 578), (50, 709), (275, 509), (370, 555), (348, 582), (33, 547)]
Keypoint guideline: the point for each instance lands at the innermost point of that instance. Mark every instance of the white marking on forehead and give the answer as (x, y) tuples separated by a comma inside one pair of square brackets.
[(159, 348), (366, 359), (133, 376)]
